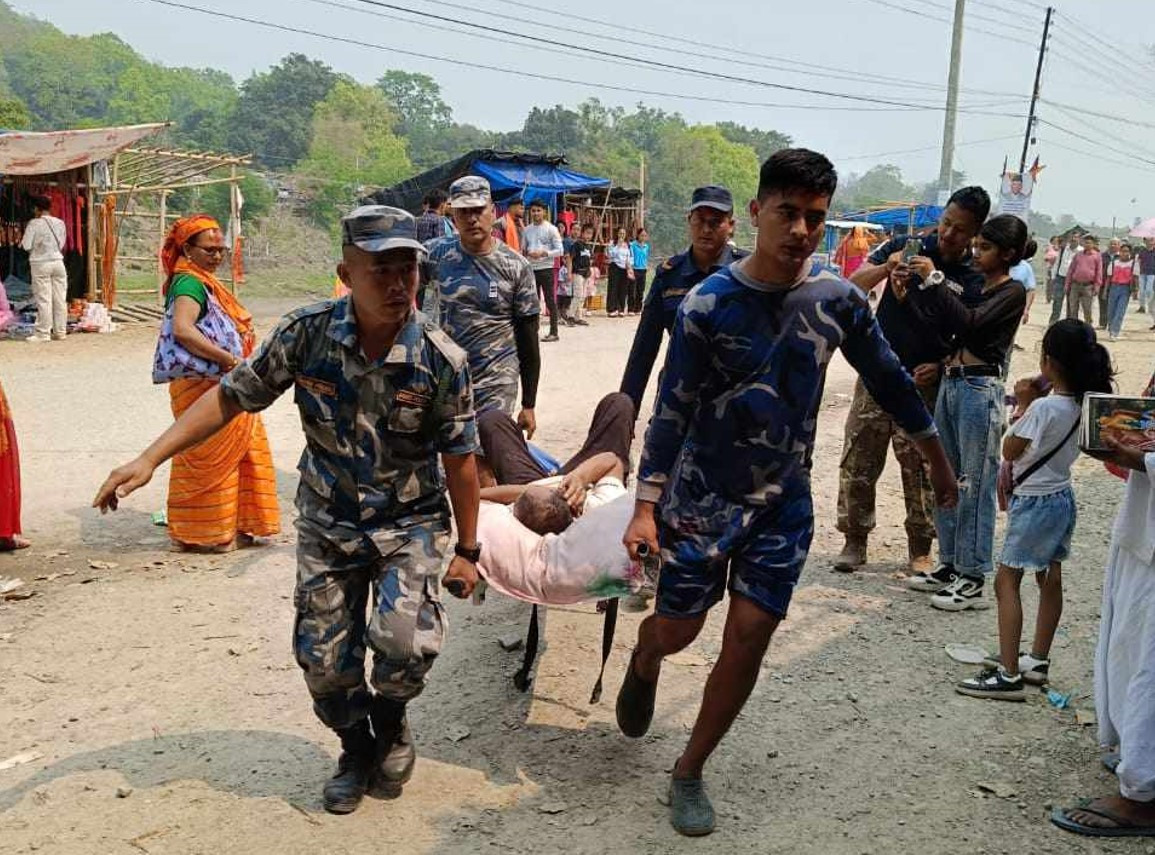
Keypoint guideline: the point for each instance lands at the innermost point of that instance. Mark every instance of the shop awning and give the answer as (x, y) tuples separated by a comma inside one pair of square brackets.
[(42, 153)]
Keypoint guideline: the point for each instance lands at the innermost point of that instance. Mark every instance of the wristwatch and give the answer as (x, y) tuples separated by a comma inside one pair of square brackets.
[(934, 280), (472, 554)]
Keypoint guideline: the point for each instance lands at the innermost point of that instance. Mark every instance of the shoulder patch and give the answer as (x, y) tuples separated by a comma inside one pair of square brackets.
[(446, 346), (322, 308)]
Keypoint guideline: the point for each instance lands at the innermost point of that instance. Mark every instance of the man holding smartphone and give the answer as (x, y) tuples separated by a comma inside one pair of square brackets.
[(868, 429)]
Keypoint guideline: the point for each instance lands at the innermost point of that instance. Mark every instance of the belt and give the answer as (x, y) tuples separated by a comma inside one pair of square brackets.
[(956, 371)]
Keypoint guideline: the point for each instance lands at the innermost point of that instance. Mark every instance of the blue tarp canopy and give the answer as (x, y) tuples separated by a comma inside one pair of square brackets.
[(915, 216), (535, 176)]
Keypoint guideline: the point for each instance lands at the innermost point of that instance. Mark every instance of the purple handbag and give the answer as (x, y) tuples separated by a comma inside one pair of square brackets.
[(173, 362)]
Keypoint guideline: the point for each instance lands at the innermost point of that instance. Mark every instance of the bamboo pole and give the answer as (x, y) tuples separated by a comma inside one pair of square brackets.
[(159, 243), (92, 219)]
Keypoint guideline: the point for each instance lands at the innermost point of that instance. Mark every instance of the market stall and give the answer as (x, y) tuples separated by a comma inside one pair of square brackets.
[(64, 167)]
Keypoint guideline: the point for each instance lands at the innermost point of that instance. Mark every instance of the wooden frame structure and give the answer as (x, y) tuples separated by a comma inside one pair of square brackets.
[(138, 177)]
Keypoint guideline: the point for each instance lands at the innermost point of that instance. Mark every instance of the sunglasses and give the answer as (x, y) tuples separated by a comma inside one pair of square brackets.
[(211, 250)]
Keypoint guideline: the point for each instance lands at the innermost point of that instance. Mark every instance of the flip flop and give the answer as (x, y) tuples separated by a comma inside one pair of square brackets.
[(968, 654), (1123, 827)]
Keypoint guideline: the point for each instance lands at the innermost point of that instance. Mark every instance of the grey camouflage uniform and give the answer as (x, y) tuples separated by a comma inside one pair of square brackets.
[(374, 519), (475, 299)]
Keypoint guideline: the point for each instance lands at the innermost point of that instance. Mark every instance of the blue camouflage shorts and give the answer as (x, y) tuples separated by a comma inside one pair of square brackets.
[(758, 553)]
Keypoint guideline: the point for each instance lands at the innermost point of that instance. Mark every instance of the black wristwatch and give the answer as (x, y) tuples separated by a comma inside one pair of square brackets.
[(472, 554)]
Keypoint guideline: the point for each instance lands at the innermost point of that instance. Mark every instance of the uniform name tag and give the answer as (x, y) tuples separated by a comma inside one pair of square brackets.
[(494, 291), (409, 398), (676, 292), (317, 387)]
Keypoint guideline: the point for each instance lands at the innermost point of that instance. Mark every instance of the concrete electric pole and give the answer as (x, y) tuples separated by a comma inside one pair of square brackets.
[(946, 170)]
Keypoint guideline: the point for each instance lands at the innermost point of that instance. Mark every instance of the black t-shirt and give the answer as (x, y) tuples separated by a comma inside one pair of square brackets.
[(582, 255), (913, 340), (987, 330)]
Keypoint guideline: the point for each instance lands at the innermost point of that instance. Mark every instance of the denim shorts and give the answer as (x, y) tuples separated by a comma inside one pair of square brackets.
[(1039, 530)]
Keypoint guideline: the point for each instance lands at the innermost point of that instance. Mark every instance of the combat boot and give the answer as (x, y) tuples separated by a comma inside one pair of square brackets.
[(344, 791), (395, 754), (919, 551), (853, 554)]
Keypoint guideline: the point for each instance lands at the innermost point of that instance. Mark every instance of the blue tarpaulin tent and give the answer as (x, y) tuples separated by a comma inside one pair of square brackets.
[(902, 216), (535, 176)]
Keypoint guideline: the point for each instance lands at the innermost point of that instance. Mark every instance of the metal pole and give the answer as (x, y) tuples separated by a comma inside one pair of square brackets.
[(1035, 91), (946, 169)]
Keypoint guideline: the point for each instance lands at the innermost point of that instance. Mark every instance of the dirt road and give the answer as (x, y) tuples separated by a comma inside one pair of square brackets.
[(159, 699)]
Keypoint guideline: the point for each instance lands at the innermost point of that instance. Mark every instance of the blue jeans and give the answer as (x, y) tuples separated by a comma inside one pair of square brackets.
[(1146, 290), (1117, 298), (1058, 297), (970, 414)]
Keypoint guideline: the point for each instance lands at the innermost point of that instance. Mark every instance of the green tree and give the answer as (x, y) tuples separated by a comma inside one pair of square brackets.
[(416, 100), (764, 143), (353, 151), (274, 114), (876, 186), (14, 116)]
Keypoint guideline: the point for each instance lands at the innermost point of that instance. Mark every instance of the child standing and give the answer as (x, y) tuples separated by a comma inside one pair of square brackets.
[(1042, 445)]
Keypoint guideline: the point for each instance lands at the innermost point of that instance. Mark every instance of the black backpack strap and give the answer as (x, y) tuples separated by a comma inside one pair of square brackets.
[(524, 677), (608, 626), (1038, 464)]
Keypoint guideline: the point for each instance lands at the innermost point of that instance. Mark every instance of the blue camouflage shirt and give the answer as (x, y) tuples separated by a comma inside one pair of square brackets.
[(373, 430), (738, 403), (475, 299)]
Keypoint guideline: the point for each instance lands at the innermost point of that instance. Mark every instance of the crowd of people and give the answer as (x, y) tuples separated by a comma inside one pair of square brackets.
[(417, 427), (1080, 275)]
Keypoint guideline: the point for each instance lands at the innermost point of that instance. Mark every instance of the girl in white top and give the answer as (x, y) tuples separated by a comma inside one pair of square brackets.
[(1042, 445)]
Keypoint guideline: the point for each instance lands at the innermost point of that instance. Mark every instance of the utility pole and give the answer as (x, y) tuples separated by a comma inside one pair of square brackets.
[(1035, 91), (946, 170)]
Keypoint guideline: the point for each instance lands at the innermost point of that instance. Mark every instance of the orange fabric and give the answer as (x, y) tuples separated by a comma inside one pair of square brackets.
[(240, 316), (180, 233), (511, 238), (226, 485), (238, 261), (108, 251)]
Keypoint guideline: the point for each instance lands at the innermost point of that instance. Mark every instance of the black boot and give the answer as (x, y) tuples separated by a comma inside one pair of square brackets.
[(344, 791), (395, 755)]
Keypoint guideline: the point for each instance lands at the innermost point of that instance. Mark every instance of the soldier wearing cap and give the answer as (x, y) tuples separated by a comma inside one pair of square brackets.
[(711, 225), (484, 296), (381, 392)]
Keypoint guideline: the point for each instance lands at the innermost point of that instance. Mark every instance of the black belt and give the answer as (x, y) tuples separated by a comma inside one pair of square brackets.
[(956, 371)]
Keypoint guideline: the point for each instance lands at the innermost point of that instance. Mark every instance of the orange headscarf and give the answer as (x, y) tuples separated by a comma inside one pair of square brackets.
[(175, 261), (859, 243)]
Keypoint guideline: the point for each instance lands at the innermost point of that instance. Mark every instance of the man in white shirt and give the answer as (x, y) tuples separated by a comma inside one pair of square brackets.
[(44, 239), (541, 243)]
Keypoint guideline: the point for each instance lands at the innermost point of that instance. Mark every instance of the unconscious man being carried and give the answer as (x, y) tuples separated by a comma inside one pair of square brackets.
[(558, 540)]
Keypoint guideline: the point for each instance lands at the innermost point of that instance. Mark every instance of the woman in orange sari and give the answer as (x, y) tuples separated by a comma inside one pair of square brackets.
[(852, 252), (10, 538), (221, 493)]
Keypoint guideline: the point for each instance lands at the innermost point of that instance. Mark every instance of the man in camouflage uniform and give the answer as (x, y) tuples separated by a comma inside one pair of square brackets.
[(484, 296), (381, 392), (724, 481), (711, 225), (921, 349)]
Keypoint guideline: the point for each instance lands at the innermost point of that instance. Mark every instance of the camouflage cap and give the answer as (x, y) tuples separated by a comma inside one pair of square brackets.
[(377, 228), (471, 191)]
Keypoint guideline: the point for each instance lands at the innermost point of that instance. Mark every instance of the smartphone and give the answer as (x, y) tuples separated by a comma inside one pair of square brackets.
[(913, 247)]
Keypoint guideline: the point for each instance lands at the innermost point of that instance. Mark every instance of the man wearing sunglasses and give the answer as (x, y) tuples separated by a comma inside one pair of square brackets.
[(711, 225)]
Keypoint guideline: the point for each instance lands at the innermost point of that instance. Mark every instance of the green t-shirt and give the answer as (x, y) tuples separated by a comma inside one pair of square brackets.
[(186, 285)]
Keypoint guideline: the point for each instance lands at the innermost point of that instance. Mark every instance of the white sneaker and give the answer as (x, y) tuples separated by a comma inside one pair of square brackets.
[(37, 339), (961, 594), (932, 583)]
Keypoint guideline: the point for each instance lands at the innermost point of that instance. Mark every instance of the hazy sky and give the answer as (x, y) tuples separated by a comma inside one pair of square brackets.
[(1097, 62)]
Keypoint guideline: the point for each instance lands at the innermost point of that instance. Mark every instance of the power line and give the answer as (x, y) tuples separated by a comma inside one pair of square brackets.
[(657, 64), (1111, 63), (550, 46), (728, 51), (934, 147), (1092, 71), (1082, 26), (1099, 158), (1122, 141), (1095, 142), (922, 14), (523, 73), (1128, 120)]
